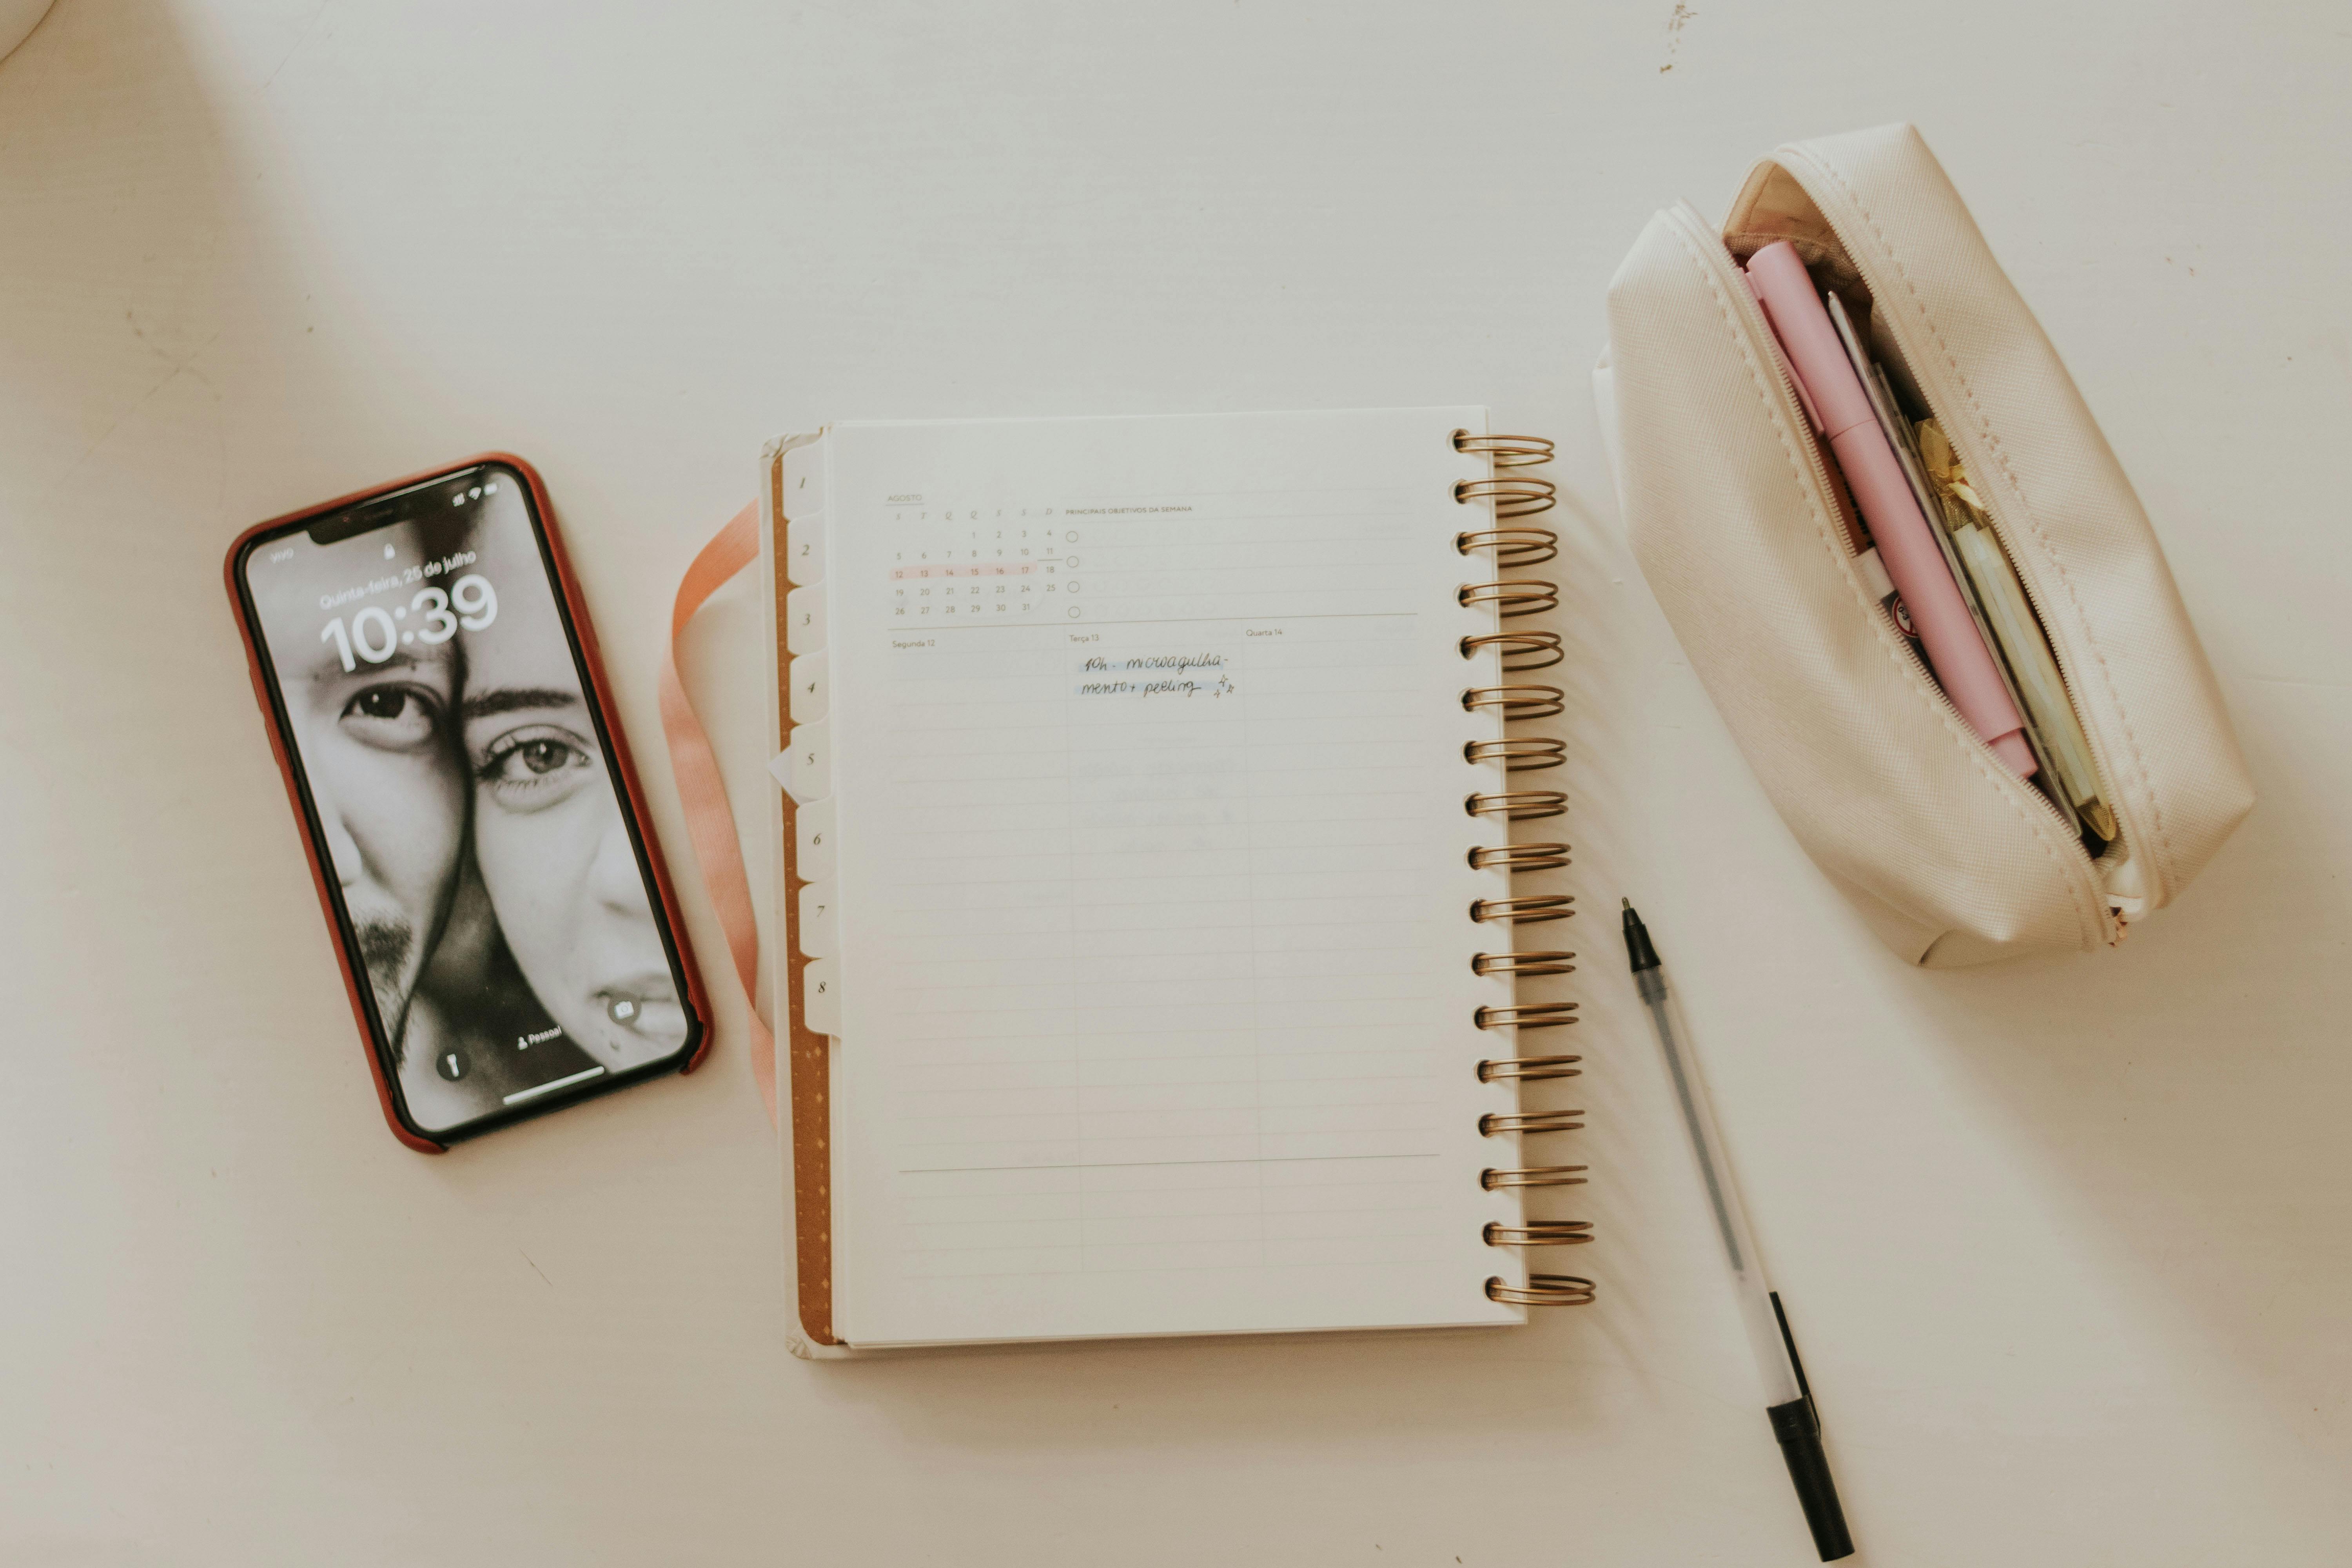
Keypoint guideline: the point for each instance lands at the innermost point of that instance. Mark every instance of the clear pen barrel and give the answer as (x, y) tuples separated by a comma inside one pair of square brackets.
[(1730, 1215)]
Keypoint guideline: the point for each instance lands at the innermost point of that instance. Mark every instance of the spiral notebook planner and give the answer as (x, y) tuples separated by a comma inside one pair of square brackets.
[(1152, 948)]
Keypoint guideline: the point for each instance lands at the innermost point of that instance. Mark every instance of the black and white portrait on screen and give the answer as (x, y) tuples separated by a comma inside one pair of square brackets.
[(476, 833)]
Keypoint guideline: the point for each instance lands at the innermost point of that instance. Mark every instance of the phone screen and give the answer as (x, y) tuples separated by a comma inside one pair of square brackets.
[(456, 773)]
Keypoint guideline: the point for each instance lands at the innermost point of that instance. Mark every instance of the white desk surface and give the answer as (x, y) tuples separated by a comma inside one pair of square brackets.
[(2064, 1241)]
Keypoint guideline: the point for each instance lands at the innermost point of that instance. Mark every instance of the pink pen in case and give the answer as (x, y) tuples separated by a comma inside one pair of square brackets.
[(1835, 400)]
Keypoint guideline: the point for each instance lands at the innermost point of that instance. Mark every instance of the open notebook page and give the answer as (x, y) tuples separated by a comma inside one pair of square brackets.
[(1152, 948)]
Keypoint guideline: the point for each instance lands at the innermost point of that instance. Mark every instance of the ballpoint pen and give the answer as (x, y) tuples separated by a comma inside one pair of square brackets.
[(1788, 1401)]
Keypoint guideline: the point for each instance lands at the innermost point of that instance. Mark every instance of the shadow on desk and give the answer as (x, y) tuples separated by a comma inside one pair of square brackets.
[(2189, 1087)]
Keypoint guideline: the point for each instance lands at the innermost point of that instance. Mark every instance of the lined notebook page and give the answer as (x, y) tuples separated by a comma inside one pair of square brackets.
[(1150, 916)]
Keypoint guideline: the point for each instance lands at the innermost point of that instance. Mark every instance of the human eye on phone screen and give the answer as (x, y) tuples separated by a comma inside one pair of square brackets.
[(392, 716), (534, 766)]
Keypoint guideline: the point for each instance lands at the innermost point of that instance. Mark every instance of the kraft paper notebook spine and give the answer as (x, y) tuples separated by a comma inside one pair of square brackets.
[(803, 1067)]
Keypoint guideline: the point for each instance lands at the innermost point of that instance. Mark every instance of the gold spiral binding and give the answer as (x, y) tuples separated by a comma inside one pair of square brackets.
[(1516, 701), (1531, 1122), (1528, 1069), (1518, 804), (1522, 962), (1521, 651), (1513, 495), (1527, 1016), (1540, 1233), (1525, 754), (1495, 1181), (1505, 451), (1512, 546), (1510, 598), (1542, 1291), (1519, 857), (1523, 911)]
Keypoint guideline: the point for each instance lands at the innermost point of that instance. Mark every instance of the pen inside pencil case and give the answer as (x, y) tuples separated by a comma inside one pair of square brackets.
[(2069, 775), (1995, 595), (1981, 571)]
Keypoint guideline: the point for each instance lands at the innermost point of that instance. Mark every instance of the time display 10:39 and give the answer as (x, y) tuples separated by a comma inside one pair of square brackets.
[(374, 633)]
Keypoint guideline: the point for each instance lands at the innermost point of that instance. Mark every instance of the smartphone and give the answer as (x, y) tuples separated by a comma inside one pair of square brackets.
[(507, 935)]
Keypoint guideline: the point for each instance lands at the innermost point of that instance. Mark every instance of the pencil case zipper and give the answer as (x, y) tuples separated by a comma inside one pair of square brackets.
[(1762, 343)]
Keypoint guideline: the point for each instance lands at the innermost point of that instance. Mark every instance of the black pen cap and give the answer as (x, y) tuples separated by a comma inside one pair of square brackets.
[(1799, 1432), (1637, 941), (1798, 1426)]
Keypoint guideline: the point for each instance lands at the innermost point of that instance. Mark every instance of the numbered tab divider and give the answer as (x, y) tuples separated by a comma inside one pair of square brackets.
[(802, 492), (808, 765), (820, 937), (805, 547), (810, 697), (821, 997), (813, 834), (805, 620), (804, 769)]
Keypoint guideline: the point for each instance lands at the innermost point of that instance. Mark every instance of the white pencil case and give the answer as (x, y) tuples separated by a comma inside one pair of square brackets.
[(1950, 856)]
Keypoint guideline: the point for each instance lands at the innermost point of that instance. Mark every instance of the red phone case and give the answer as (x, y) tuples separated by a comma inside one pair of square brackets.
[(576, 607)]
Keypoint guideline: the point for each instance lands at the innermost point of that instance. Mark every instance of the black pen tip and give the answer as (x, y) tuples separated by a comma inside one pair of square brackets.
[(1638, 950)]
